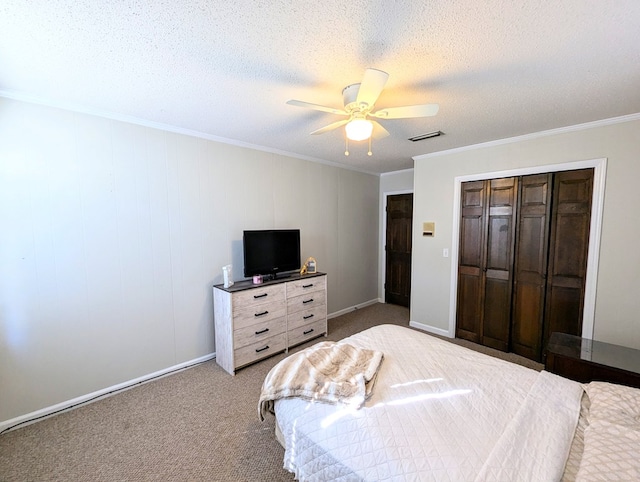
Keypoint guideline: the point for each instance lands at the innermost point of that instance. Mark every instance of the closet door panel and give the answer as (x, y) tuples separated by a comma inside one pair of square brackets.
[(569, 260), (531, 265), (471, 261), (566, 312), (469, 309), (499, 245), (527, 320), (471, 236), (497, 318), (499, 262), (569, 243)]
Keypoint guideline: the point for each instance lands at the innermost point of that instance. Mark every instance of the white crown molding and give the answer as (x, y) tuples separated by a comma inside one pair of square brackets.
[(391, 173), (535, 135), (169, 128)]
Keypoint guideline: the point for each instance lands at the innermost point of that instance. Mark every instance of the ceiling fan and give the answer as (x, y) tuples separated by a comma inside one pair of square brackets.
[(359, 102)]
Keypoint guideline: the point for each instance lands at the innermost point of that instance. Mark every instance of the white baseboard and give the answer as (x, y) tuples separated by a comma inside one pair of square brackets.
[(430, 329), (352, 308), (38, 415)]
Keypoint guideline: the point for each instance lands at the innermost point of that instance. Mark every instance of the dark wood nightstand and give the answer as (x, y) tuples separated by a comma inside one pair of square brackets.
[(588, 360)]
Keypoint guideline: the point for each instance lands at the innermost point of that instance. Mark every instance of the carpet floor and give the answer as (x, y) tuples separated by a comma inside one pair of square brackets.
[(199, 424)]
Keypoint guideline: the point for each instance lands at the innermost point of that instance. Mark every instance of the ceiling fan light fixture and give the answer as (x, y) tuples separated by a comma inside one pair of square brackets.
[(359, 102), (359, 129)]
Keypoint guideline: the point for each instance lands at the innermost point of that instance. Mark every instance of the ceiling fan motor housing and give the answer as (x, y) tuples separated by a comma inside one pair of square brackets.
[(349, 97)]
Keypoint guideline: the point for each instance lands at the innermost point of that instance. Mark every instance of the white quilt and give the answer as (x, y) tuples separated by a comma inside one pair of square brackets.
[(438, 412)]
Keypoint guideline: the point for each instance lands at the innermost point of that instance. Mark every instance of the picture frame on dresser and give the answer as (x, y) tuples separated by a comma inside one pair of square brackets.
[(253, 322)]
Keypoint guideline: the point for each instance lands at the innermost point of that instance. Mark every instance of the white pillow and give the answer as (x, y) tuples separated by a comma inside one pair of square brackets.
[(612, 438)]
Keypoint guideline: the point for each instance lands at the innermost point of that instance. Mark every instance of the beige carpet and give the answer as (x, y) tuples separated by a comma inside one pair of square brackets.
[(200, 424)]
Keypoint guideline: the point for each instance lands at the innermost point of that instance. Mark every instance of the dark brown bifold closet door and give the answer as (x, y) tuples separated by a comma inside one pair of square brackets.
[(485, 261), (498, 266), (530, 274), (523, 259), (471, 261), (568, 250)]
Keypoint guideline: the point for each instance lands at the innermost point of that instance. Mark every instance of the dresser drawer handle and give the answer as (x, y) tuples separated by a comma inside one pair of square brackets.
[(258, 350), (261, 314), (307, 286), (307, 332), (255, 297), (304, 302), (307, 317), (262, 331)]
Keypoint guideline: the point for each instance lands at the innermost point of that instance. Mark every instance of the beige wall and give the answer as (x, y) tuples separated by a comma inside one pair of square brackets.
[(617, 304), (114, 233)]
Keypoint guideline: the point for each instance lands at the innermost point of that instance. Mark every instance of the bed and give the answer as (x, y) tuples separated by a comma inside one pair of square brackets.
[(441, 412)]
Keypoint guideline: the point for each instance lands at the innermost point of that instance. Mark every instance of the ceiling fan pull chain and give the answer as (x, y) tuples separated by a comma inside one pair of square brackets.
[(369, 153), (346, 146)]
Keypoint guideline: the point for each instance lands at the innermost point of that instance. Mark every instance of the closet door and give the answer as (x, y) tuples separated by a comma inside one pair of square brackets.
[(530, 267), (498, 266), (568, 247), (523, 259), (471, 261), (487, 230)]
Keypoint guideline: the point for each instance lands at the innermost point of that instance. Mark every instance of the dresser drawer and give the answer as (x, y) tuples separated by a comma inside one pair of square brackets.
[(247, 299), (307, 332), (304, 286), (304, 317), (259, 332), (261, 349), (306, 301), (259, 314)]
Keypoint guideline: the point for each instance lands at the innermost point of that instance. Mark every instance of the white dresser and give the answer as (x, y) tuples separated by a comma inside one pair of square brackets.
[(253, 322)]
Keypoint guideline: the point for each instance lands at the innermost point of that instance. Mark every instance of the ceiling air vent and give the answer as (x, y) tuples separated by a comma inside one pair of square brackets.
[(428, 135)]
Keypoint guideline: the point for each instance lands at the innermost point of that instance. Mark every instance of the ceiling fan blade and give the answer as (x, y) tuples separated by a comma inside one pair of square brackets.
[(422, 110), (379, 132), (322, 108), (330, 127), (371, 86)]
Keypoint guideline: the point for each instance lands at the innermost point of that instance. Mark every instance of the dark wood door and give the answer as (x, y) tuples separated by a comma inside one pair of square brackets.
[(568, 248), (471, 261), (397, 285), (498, 266), (522, 259), (530, 266)]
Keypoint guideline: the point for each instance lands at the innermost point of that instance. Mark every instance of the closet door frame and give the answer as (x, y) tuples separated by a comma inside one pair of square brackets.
[(597, 205)]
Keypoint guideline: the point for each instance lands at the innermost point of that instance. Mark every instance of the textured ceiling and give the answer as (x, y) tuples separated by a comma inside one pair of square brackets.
[(498, 68)]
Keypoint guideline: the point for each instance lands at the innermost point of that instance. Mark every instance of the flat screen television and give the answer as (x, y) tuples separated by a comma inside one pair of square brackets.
[(271, 251)]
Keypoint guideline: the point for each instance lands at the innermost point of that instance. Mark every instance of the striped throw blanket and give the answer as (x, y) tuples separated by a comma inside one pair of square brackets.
[(327, 371)]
